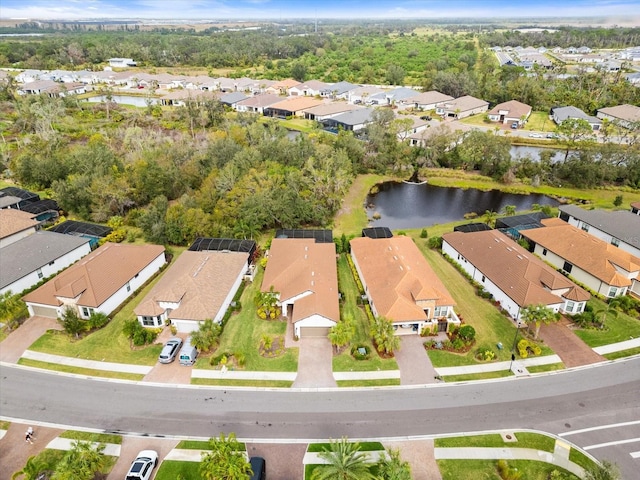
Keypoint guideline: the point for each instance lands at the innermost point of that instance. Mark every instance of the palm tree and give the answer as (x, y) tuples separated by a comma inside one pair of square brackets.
[(82, 462), (490, 217), (538, 314), (31, 470), (225, 460), (341, 334), (383, 335), (607, 309), (392, 467), (344, 461)]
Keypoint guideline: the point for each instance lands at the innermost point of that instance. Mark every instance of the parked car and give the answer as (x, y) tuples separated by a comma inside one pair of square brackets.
[(426, 117), (536, 135), (143, 465), (258, 467), (553, 135), (514, 125), (188, 353), (170, 350)]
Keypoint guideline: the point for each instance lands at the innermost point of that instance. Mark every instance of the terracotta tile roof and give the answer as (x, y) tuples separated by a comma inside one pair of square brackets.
[(397, 276), (596, 257), (263, 100), (14, 221), (331, 108), (97, 276), (521, 275), (296, 104), (286, 83), (304, 267), (199, 281), (428, 98)]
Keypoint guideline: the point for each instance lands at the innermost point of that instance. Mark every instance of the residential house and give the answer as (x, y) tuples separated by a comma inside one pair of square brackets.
[(15, 225), (619, 228), (179, 98), (230, 99), (560, 114), (92, 231), (121, 62), (257, 103), (626, 115), (28, 76), (510, 112), (312, 88), (291, 107), (416, 126), (26, 262), (99, 282), (512, 224), (600, 266), (339, 91), (282, 87), (513, 276), (401, 286), (199, 285), (462, 107), (362, 95), (635, 208), (328, 110), (354, 120), (427, 100), (396, 96), (51, 88), (303, 273)]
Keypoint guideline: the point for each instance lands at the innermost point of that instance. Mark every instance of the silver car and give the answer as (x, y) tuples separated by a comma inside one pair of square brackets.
[(170, 350)]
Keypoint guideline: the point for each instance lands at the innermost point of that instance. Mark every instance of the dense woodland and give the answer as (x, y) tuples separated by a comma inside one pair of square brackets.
[(200, 170)]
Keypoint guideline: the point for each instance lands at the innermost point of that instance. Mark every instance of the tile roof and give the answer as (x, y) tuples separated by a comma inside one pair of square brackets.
[(14, 221), (199, 281), (298, 266), (286, 83), (621, 224), (464, 103), (521, 275), (626, 112), (296, 104), (264, 100), (354, 117), (514, 108), (428, 98), (397, 276), (97, 276), (596, 257), (35, 251), (565, 113), (330, 108)]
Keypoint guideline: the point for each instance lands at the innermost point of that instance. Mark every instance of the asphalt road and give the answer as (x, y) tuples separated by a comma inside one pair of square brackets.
[(559, 403)]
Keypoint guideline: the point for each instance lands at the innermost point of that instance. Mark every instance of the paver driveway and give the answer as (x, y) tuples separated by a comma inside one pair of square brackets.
[(413, 362), (572, 350), (315, 364)]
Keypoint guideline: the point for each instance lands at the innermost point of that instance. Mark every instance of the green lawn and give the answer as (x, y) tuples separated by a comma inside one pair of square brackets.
[(79, 371), (92, 437), (243, 332), (470, 377), (364, 447), (619, 328), (540, 122), (172, 469), (352, 217), (229, 382), (546, 368), (495, 440), (486, 469), (382, 382)]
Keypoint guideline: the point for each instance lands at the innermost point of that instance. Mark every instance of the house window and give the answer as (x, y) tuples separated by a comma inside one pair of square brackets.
[(615, 242), (87, 312), (426, 312), (544, 252), (440, 311), (128, 287), (584, 227), (569, 307), (613, 291), (40, 274), (567, 267), (51, 263), (483, 279), (148, 321)]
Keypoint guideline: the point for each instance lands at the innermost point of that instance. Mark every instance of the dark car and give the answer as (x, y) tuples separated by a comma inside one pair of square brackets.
[(170, 350), (426, 117), (259, 468)]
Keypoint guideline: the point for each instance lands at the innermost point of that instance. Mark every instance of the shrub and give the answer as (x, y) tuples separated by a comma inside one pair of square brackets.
[(423, 233), (467, 333), (485, 354), (435, 242), (97, 320), (138, 334), (356, 353), (458, 344)]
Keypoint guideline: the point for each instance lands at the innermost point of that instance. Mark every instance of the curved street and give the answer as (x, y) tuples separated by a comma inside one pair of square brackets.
[(557, 403)]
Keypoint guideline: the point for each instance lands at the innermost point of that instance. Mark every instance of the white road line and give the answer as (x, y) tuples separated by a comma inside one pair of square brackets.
[(609, 444), (635, 454), (600, 427)]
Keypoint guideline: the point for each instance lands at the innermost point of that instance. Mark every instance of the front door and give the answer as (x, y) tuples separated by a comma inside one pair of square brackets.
[(442, 326)]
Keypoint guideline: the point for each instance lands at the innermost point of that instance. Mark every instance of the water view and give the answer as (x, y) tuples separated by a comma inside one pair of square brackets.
[(404, 205)]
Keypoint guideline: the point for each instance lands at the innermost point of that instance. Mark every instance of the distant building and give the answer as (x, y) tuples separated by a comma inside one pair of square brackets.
[(121, 62)]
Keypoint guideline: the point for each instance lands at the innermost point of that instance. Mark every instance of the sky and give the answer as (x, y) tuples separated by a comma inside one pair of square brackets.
[(284, 9)]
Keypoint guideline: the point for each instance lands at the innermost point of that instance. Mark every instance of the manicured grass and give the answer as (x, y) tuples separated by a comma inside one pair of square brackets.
[(477, 376), (243, 331), (540, 122), (494, 440), (622, 354), (618, 328), (486, 469), (546, 368), (382, 382), (4, 425), (299, 124), (79, 371), (364, 447), (480, 119), (345, 362), (92, 437), (579, 458), (109, 343), (171, 469), (50, 459), (193, 445), (229, 382), (352, 217)]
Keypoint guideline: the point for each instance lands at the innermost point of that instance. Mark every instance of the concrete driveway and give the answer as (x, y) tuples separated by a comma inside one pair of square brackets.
[(14, 451), (413, 362), (315, 367), (572, 350), (283, 461), (130, 448)]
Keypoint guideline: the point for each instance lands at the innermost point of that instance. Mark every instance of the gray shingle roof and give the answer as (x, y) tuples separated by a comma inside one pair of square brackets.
[(621, 224), (355, 117), (32, 252)]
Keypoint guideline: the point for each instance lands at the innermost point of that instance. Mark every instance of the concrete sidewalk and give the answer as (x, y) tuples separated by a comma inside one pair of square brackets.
[(111, 449)]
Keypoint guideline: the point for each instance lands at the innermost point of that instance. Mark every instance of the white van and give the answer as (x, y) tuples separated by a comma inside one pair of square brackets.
[(188, 353)]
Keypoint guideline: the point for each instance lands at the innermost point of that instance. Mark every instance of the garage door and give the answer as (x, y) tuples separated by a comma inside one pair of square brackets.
[(314, 331), (49, 312)]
